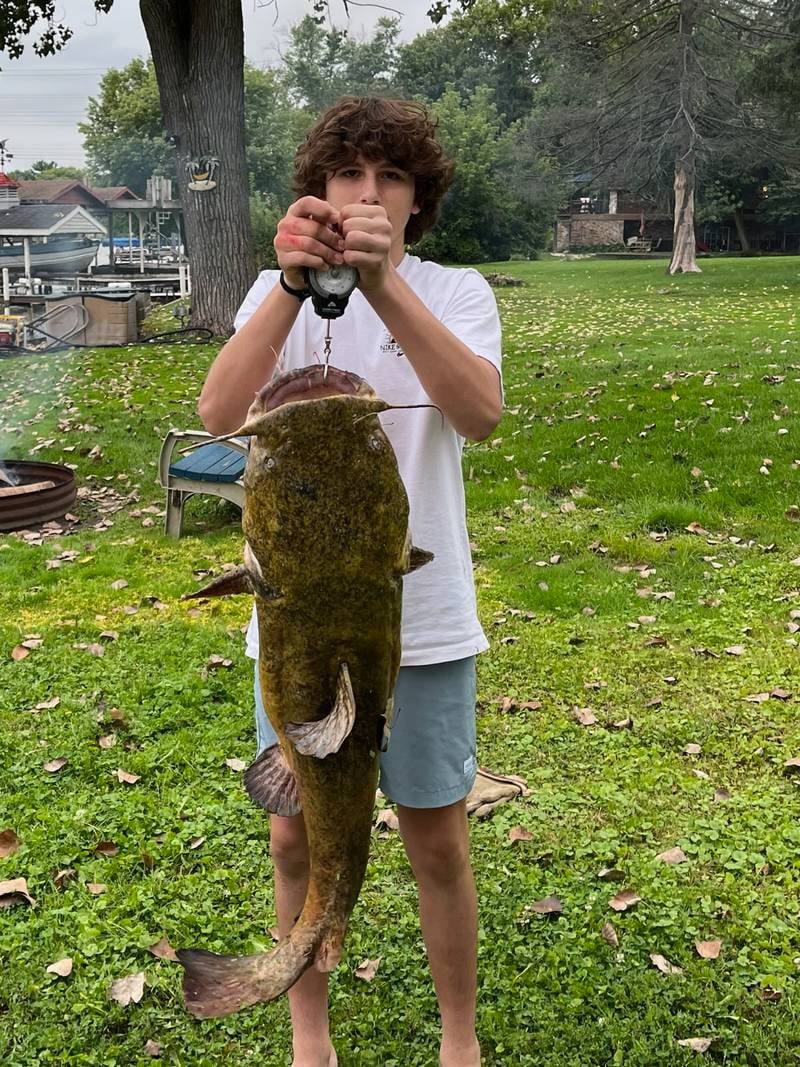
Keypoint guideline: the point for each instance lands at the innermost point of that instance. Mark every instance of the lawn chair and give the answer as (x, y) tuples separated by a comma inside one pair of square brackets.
[(216, 469)]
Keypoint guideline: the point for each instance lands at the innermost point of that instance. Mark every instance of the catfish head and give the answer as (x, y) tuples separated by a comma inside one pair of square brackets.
[(322, 488)]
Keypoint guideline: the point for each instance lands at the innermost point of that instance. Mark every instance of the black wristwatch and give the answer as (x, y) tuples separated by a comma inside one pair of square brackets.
[(299, 294)]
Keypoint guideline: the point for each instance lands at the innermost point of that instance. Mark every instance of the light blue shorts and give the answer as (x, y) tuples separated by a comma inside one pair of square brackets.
[(431, 759)]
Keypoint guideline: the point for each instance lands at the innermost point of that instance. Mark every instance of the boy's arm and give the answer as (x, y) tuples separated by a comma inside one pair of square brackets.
[(462, 383), (247, 361)]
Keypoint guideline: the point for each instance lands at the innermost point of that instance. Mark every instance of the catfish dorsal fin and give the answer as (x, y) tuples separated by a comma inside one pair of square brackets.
[(325, 736), (228, 584)]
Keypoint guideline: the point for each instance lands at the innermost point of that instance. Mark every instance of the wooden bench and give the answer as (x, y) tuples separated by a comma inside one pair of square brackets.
[(215, 469)]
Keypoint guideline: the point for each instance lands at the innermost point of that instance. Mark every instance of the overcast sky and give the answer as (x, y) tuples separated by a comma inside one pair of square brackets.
[(42, 100)]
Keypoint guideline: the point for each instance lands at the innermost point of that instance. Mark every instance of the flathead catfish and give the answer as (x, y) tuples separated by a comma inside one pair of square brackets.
[(327, 544)]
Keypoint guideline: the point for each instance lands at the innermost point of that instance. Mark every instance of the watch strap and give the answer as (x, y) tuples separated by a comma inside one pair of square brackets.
[(298, 294)]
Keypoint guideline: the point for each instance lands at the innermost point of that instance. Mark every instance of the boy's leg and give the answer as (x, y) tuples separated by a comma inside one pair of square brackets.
[(437, 843), (308, 997)]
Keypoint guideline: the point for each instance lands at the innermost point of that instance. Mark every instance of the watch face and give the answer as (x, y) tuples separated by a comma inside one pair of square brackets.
[(336, 280)]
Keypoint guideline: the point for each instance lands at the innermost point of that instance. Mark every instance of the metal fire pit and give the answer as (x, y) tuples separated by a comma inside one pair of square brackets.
[(18, 510)]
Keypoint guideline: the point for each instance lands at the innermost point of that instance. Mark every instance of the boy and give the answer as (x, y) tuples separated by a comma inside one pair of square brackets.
[(370, 178)]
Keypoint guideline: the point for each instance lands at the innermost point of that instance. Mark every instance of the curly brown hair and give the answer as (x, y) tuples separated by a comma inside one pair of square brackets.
[(375, 127)]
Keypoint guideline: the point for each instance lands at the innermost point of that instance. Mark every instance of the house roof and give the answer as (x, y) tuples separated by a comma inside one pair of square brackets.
[(7, 183), (42, 220), (113, 192), (50, 190)]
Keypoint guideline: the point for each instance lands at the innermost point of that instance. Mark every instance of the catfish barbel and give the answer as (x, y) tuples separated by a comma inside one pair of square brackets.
[(327, 544)]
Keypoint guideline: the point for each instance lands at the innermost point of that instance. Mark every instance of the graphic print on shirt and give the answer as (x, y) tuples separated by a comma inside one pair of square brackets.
[(390, 347)]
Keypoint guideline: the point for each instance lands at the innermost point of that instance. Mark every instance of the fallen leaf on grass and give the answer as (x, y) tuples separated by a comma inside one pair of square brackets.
[(107, 741), (709, 950), (519, 833), (584, 716), (620, 724), (9, 843), (47, 705), (125, 778), (663, 964), (546, 906), (109, 635), (735, 650), (792, 766), (61, 968), (695, 527), (696, 1044), (611, 874), (693, 750), (236, 764), (196, 842), (673, 856), (64, 876), (508, 704), (367, 969), (14, 892), (163, 950), (388, 819), (757, 698), (781, 694), (628, 898), (127, 990), (96, 888), (106, 848), (19, 652), (215, 662), (55, 765), (120, 583), (610, 935)]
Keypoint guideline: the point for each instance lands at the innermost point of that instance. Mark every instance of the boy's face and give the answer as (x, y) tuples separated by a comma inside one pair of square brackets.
[(369, 181)]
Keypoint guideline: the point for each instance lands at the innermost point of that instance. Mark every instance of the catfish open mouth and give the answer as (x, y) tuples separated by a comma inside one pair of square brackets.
[(311, 383)]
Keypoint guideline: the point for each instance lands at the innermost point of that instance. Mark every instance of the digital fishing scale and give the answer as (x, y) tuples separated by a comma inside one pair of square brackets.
[(330, 291)]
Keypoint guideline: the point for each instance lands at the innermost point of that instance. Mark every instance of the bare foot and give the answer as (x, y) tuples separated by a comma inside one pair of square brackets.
[(467, 1054), (316, 1061)]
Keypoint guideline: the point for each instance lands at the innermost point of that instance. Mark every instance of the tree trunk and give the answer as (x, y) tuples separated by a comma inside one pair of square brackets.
[(198, 55), (683, 245), (744, 241)]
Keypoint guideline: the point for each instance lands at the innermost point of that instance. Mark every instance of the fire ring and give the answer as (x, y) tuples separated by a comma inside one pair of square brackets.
[(41, 492)]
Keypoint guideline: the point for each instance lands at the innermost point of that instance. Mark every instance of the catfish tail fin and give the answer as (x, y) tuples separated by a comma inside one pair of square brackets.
[(215, 985)]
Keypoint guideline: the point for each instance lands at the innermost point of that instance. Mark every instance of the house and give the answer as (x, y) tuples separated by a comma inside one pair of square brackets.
[(611, 221), (45, 238), (71, 191)]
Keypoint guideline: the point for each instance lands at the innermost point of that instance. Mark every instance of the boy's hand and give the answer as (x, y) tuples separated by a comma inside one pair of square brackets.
[(307, 236), (367, 242)]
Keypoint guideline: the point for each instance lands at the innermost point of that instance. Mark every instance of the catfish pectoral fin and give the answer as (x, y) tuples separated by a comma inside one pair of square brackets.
[(418, 557), (214, 985), (228, 584), (326, 736), (270, 783)]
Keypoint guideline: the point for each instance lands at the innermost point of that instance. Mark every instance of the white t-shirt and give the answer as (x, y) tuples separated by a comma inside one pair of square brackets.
[(440, 621)]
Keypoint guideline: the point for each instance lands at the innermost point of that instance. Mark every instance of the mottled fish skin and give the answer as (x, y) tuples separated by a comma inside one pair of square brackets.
[(326, 523)]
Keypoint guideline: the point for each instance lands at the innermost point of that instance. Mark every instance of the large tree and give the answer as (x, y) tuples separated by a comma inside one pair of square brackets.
[(124, 135), (489, 44), (198, 55), (647, 94), (320, 64)]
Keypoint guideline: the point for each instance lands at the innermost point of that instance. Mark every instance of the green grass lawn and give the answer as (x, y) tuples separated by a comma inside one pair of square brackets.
[(637, 406)]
